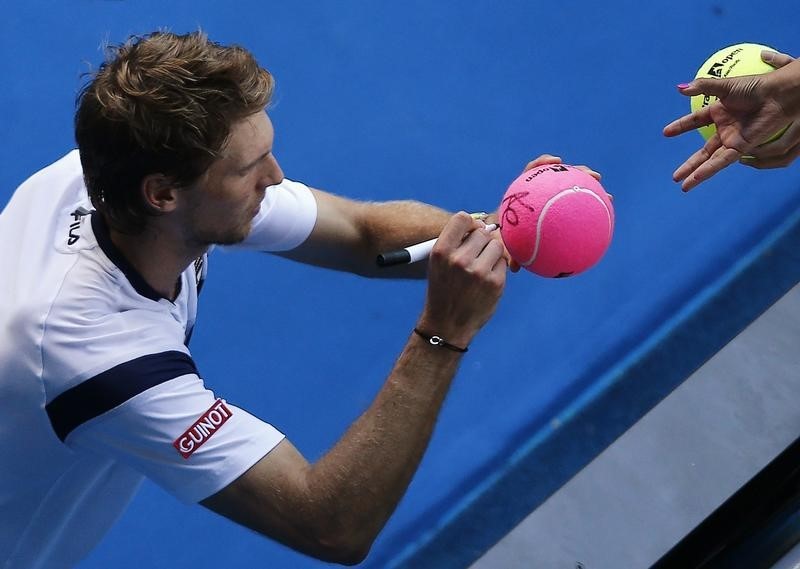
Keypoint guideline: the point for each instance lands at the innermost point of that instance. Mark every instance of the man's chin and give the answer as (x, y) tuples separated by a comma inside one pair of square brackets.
[(230, 239), (233, 238)]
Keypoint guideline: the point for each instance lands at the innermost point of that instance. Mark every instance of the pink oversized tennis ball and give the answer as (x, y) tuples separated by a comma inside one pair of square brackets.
[(556, 220)]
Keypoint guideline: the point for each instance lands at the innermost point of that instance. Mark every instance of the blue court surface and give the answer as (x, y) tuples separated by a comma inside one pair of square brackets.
[(445, 102)]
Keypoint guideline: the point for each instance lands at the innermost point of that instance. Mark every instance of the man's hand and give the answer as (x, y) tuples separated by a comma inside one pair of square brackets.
[(551, 159), (466, 276)]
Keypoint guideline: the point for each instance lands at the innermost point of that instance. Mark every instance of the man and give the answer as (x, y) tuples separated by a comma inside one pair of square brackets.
[(104, 254), (750, 109)]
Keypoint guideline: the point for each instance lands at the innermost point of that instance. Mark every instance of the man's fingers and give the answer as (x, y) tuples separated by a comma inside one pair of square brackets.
[(499, 238), (593, 173), (542, 160), (551, 159), (474, 243), (775, 58), (489, 256), (453, 233)]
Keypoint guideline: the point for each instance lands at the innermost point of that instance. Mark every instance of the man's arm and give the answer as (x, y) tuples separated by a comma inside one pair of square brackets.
[(349, 235), (334, 509)]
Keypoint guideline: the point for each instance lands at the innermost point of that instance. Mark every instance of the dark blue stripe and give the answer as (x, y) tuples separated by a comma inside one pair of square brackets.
[(114, 387), (103, 236)]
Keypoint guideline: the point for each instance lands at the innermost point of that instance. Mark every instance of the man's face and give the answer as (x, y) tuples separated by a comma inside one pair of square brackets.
[(221, 206)]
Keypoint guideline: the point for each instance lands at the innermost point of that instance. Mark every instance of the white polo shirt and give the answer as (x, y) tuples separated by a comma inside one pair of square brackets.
[(97, 385)]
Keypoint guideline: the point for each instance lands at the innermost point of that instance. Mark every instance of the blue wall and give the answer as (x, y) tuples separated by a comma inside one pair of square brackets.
[(442, 102)]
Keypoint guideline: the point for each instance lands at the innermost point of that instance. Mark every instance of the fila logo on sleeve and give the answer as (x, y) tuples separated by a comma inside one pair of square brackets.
[(202, 429), (74, 228)]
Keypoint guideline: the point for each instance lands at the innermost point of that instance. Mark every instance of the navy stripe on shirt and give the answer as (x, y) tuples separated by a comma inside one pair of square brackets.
[(103, 236), (114, 387)]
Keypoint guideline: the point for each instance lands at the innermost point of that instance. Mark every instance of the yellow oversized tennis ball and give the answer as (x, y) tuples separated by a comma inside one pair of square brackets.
[(733, 61)]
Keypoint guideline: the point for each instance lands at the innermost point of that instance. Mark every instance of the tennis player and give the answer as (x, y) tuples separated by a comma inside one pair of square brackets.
[(104, 255)]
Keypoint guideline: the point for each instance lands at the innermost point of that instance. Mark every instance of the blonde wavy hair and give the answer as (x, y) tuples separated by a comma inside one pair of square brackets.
[(161, 103)]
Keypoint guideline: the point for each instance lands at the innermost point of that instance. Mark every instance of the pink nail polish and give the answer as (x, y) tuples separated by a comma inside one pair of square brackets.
[(683, 86)]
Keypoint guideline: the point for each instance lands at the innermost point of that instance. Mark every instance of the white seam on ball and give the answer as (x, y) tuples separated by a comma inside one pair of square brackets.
[(550, 202)]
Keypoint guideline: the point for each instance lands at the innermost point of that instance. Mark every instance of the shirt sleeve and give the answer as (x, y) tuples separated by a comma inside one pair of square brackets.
[(180, 435), (287, 217)]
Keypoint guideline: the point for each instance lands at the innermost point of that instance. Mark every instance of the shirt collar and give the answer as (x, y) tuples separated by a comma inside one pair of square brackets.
[(101, 232)]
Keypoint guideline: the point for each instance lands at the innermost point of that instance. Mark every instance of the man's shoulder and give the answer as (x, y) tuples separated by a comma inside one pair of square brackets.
[(64, 172), (68, 164), (96, 300), (96, 322), (44, 216)]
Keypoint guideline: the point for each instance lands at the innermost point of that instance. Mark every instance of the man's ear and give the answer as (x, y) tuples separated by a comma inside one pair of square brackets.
[(160, 193)]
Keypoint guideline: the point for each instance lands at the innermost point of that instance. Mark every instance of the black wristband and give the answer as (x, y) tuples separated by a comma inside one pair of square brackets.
[(439, 341)]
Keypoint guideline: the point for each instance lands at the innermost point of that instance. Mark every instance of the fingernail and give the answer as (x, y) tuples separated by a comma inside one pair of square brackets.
[(683, 86), (767, 55)]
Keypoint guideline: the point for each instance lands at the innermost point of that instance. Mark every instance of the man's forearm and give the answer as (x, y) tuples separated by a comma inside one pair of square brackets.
[(398, 224), (335, 508), (393, 225), (349, 235), (364, 476)]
